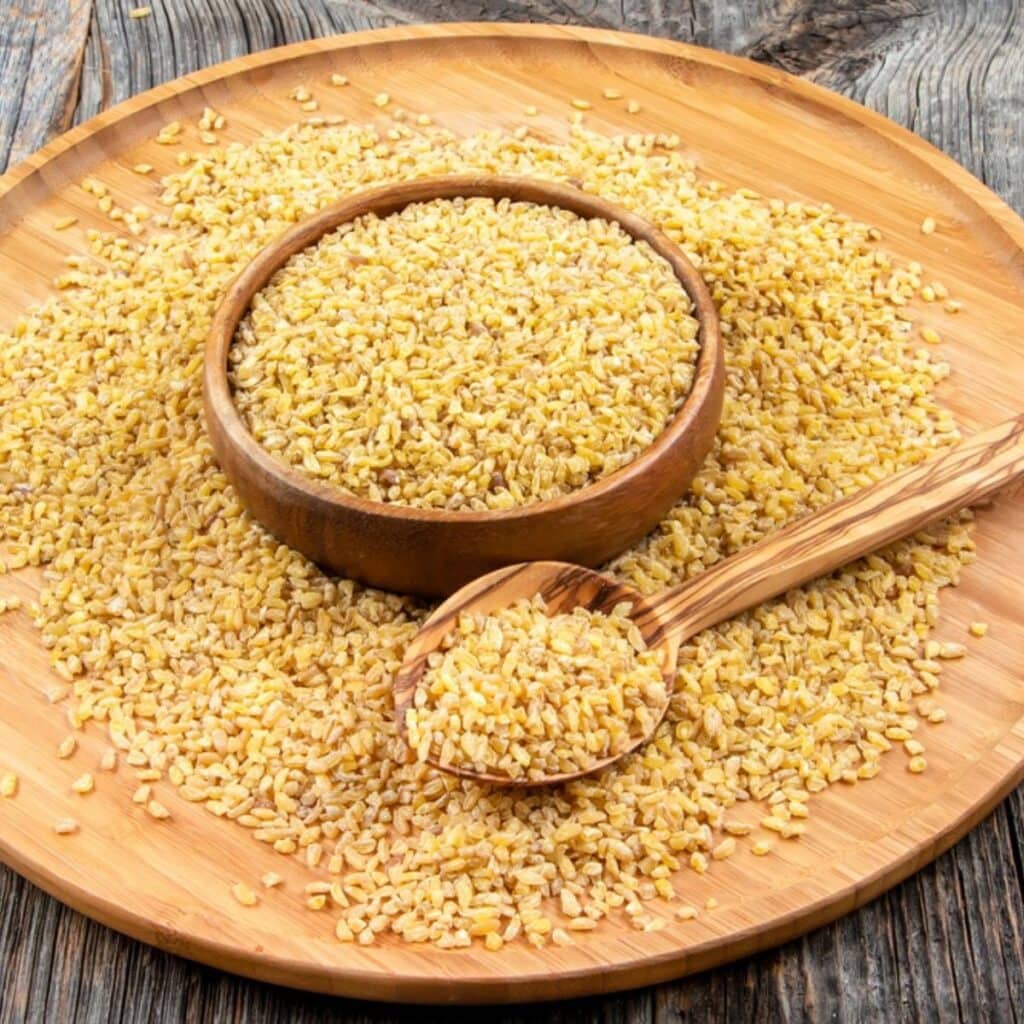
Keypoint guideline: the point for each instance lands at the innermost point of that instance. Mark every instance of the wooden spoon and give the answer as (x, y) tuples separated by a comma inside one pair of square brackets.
[(805, 549)]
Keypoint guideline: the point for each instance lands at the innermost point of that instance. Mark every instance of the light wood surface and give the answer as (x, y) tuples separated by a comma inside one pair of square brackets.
[(167, 883), (969, 474), (434, 551)]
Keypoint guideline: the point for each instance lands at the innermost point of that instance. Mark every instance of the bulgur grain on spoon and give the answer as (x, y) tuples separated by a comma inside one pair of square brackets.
[(528, 695)]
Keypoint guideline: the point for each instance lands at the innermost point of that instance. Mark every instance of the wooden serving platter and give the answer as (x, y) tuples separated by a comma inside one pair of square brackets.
[(168, 883)]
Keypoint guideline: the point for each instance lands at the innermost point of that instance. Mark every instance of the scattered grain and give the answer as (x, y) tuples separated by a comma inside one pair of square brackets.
[(822, 366), (8, 784), (84, 784), (928, 226), (633, 107), (170, 134), (67, 747), (63, 223), (611, 94), (140, 12), (726, 848), (271, 880), (93, 187), (582, 104), (209, 120), (738, 828), (978, 629), (244, 895)]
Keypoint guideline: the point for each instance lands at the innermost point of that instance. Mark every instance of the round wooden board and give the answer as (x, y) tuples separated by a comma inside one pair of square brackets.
[(168, 883)]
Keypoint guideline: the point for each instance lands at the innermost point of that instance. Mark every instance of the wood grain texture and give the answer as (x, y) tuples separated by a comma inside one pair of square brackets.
[(946, 945), (430, 551), (40, 60)]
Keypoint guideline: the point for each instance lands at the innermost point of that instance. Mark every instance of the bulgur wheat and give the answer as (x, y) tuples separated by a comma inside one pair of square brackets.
[(465, 353), (526, 694), (244, 895), (84, 784), (196, 640)]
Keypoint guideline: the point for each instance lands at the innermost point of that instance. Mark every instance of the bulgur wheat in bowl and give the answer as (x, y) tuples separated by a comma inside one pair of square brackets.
[(465, 353), (431, 379)]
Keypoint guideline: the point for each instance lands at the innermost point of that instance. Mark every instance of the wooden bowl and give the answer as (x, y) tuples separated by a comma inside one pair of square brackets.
[(433, 552)]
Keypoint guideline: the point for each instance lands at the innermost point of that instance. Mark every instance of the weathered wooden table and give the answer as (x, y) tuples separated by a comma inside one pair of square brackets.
[(946, 945)]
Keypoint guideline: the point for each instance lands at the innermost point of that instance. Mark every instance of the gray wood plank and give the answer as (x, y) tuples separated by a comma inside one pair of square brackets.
[(954, 75), (947, 945), (40, 56)]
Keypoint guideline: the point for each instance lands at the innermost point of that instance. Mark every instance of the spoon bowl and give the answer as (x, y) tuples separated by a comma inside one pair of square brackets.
[(563, 588), (432, 552), (810, 547)]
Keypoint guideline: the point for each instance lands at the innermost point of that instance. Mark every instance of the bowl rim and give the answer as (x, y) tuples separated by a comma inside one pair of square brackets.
[(222, 412)]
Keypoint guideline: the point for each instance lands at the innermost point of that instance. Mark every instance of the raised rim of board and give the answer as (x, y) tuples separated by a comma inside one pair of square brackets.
[(434, 984)]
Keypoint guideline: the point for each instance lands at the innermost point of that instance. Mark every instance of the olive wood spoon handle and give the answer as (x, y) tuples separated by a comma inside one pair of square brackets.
[(826, 540)]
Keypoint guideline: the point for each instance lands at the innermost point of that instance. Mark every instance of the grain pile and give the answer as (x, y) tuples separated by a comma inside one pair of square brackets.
[(465, 353), (527, 694), (233, 669)]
